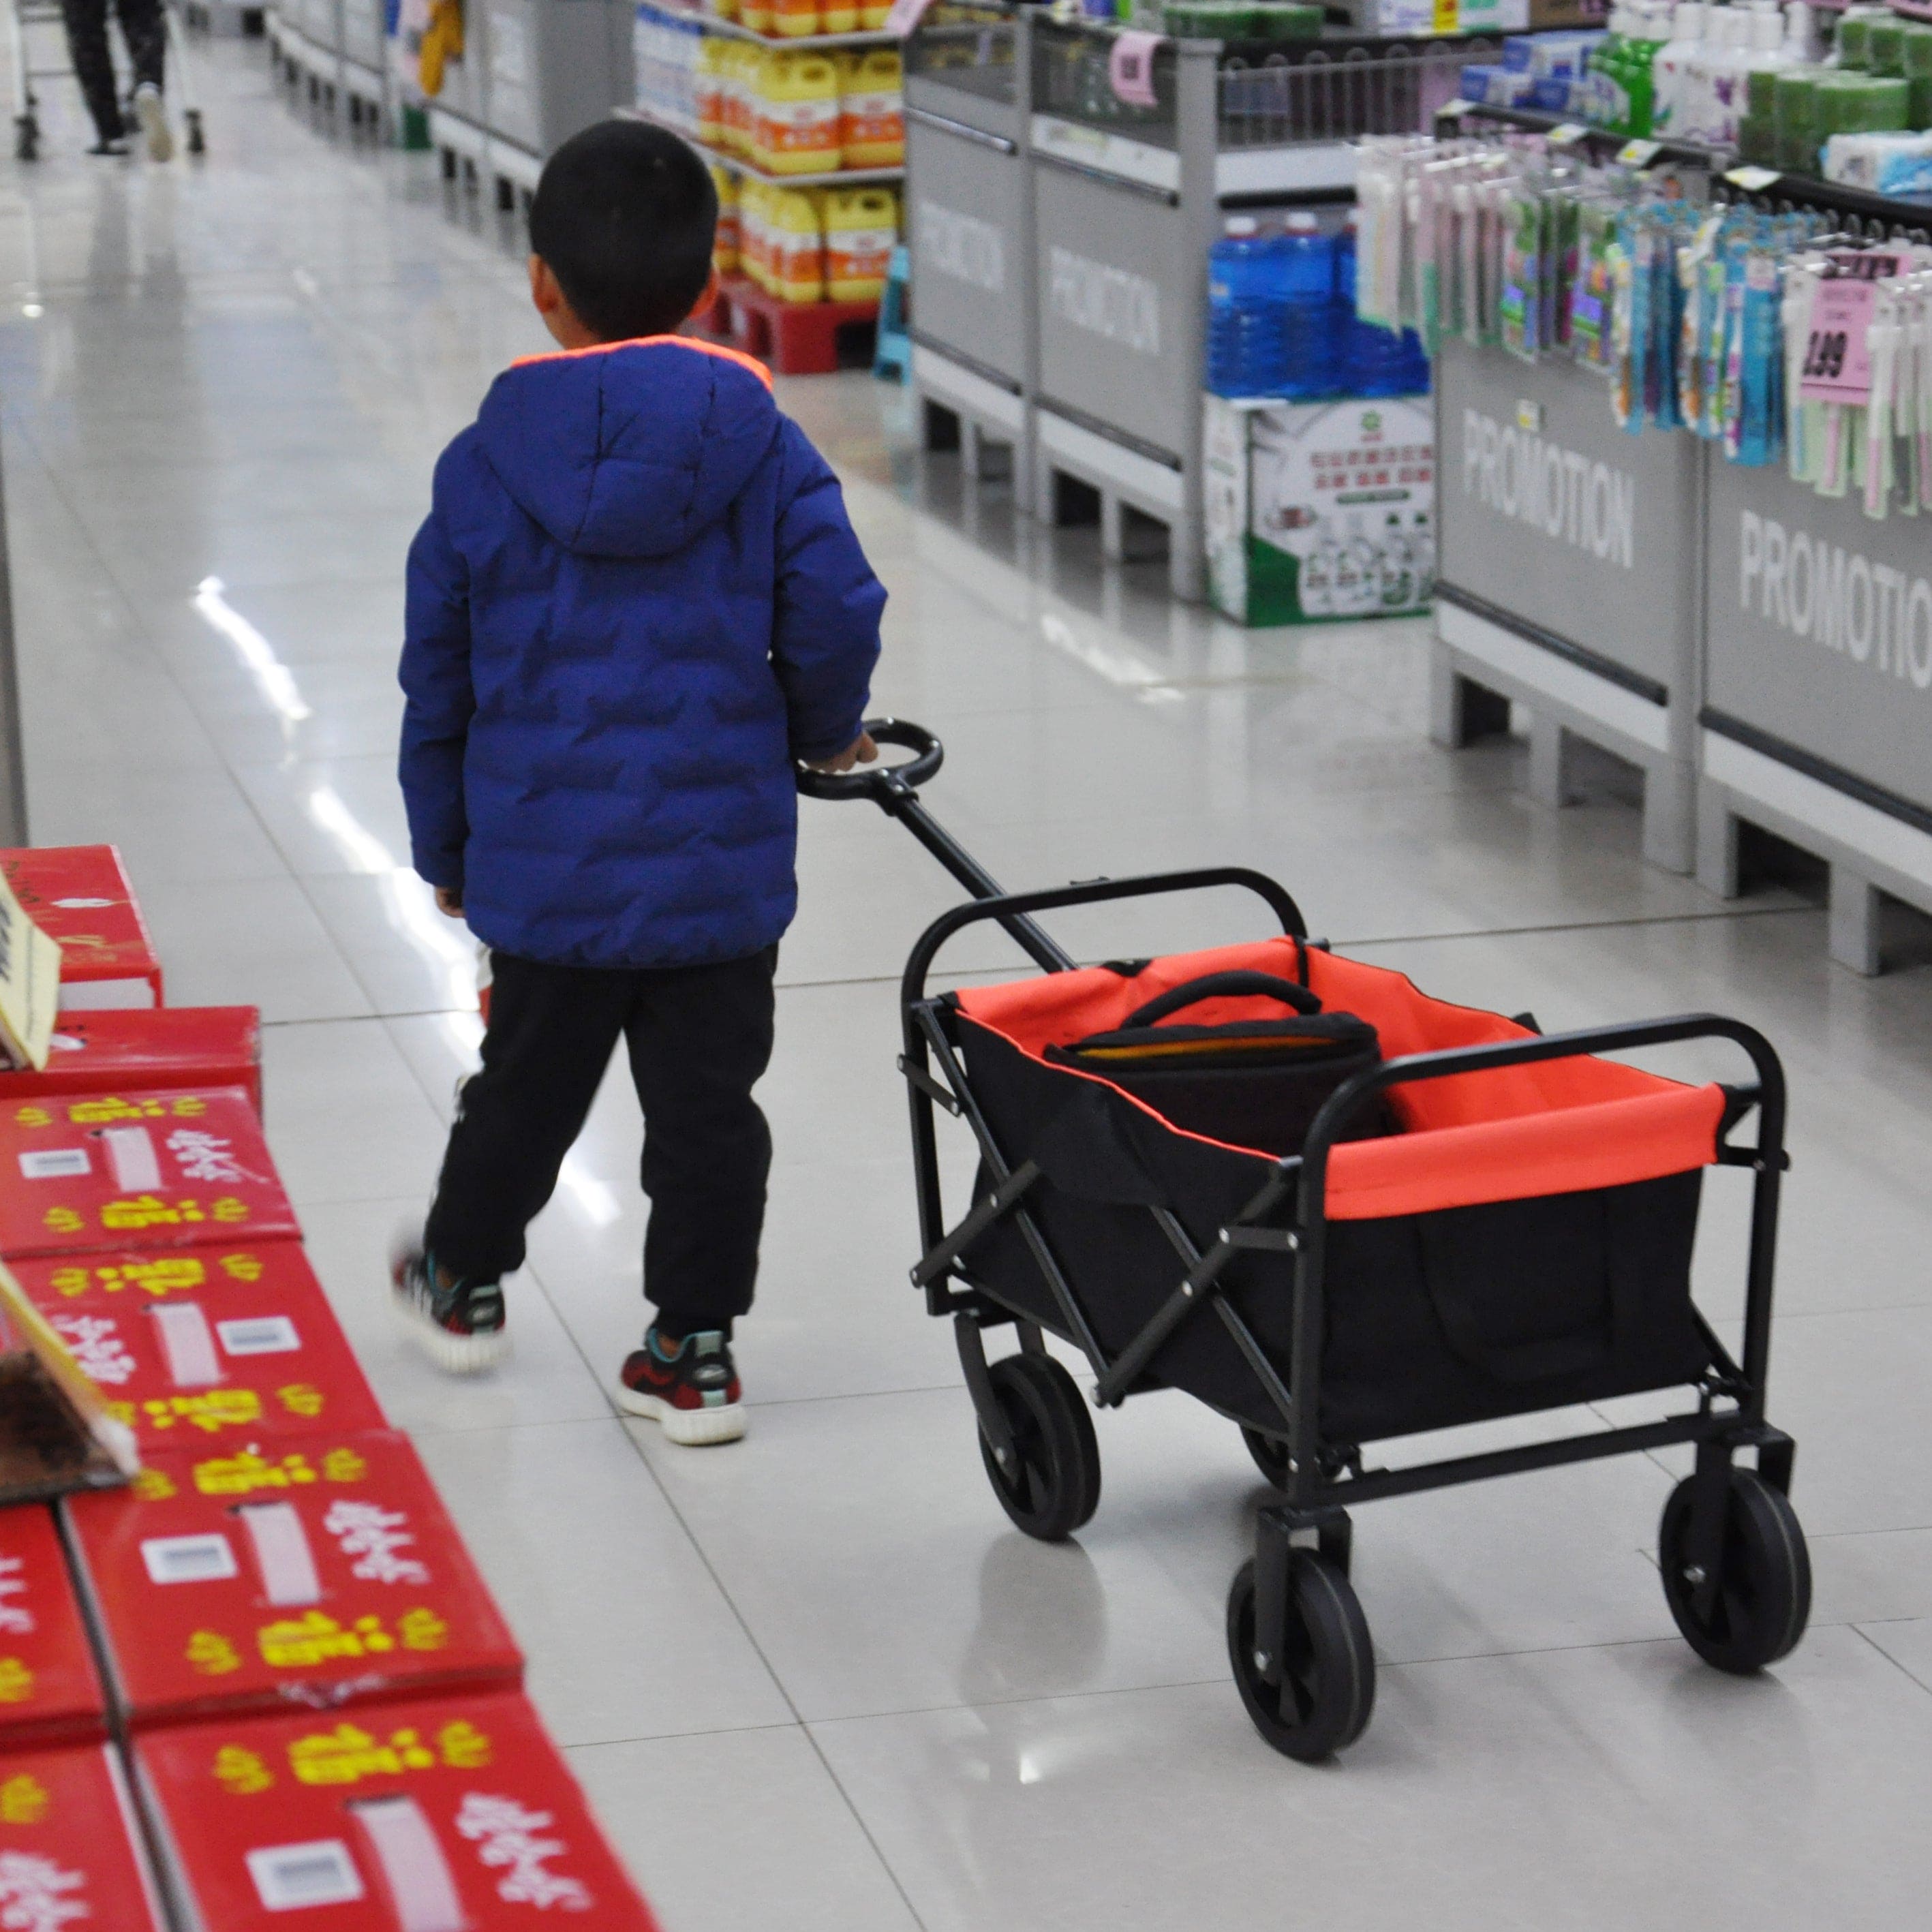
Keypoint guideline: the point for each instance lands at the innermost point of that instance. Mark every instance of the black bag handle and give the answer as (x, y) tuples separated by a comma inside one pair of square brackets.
[(1222, 986)]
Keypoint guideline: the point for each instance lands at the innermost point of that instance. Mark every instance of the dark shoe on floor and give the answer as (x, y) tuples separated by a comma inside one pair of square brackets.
[(461, 1328), (694, 1394)]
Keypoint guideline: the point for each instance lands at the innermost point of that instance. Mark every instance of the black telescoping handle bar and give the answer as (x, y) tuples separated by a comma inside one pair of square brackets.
[(894, 789)]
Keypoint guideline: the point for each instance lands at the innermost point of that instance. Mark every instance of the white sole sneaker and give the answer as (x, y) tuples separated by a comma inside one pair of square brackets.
[(690, 1428), (152, 114), (454, 1355)]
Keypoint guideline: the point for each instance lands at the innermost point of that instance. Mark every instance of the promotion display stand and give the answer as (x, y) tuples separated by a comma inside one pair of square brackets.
[(1569, 579), (1060, 236)]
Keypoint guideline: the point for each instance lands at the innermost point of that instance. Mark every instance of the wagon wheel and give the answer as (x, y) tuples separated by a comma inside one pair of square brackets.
[(1310, 1687), (1052, 1484), (1763, 1599), (26, 138), (1270, 1455), (197, 141)]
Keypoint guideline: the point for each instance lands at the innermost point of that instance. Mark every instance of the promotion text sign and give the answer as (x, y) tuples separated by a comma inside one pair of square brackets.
[(245, 1576), (70, 1847), (453, 1814), (220, 1344), (168, 1169), (48, 1691)]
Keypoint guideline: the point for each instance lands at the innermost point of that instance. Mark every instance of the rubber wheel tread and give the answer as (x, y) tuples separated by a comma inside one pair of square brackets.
[(1765, 1598), (1057, 1489), (1331, 1637)]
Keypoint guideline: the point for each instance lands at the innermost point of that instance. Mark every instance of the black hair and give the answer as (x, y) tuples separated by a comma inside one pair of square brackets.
[(625, 214)]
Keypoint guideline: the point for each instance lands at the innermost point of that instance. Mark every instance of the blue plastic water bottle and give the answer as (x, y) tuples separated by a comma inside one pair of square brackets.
[(1244, 312), (1307, 279), (1374, 361)]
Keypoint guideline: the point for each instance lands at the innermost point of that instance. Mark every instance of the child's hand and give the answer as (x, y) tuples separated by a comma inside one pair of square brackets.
[(449, 901), (861, 752)]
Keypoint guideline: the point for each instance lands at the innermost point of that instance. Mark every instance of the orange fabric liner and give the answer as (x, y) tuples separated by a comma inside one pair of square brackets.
[(1556, 1126)]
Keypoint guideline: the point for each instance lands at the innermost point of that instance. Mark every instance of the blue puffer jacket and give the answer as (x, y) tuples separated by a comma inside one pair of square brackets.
[(636, 599)]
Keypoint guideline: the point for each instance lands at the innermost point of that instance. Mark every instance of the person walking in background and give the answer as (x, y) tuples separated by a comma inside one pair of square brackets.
[(145, 30)]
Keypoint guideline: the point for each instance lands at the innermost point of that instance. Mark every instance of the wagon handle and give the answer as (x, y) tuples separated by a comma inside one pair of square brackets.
[(881, 781)]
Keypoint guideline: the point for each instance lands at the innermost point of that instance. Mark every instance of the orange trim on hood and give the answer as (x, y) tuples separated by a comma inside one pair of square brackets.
[(737, 355)]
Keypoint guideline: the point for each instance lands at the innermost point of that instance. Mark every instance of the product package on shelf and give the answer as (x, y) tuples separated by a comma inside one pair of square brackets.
[(78, 895), (49, 1692), (236, 1577), (56, 1433), (1317, 511), (451, 1814), (168, 1169), (228, 1344), (70, 1845), (138, 1050)]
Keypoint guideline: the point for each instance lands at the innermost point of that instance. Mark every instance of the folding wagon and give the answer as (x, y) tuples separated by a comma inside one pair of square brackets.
[(1338, 1211)]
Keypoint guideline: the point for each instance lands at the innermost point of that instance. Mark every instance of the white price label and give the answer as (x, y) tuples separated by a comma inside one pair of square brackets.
[(1638, 154)]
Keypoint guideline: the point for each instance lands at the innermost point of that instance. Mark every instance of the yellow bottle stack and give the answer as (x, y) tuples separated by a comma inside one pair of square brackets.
[(727, 250), (798, 116), (871, 110), (861, 229)]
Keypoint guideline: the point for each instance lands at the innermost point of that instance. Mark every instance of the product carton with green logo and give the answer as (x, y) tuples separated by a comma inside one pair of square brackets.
[(1319, 511)]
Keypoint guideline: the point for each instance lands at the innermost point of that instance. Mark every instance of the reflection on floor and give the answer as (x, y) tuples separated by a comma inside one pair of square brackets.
[(815, 1681)]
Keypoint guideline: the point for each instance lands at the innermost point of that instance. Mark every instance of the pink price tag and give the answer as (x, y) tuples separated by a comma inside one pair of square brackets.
[(1837, 352), (1130, 68), (905, 16)]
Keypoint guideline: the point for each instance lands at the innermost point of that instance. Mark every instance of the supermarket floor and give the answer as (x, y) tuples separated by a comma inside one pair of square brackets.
[(815, 1681)]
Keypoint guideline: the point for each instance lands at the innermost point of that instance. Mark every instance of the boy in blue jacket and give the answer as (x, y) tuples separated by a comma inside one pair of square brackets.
[(636, 601)]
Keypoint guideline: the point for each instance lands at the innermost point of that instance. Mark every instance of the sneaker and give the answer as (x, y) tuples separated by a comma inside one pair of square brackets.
[(694, 1394), (152, 113), (460, 1328)]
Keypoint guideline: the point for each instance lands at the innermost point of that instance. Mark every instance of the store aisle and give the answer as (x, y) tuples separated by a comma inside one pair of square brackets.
[(815, 1682)]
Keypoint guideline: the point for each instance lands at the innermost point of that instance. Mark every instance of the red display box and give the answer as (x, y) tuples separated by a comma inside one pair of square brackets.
[(70, 1845), (170, 1169), (223, 1344), (79, 895), (452, 1814), (49, 1692), (164, 1047), (313, 1572)]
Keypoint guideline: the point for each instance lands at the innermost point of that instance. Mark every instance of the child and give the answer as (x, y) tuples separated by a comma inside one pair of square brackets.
[(636, 601)]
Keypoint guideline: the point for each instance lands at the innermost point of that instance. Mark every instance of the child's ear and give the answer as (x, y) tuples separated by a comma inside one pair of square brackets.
[(545, 292)]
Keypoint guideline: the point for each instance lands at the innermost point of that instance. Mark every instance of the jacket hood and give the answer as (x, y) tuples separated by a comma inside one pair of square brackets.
[(631, 450)]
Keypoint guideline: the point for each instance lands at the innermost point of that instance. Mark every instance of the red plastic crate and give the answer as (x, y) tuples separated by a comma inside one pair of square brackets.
[(249, 1577), (795, 338), (453, 1814), (70, 1850), (211, 1345), (169, 1169), (161, 1047), (50, 1691), (79, 895)]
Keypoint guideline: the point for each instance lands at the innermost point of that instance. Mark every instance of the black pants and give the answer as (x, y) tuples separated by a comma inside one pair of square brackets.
[(699, 1038), (142, 28)]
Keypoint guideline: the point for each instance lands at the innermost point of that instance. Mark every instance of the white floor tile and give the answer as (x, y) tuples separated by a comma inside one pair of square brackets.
[(627, 1634), (797, 1859)]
